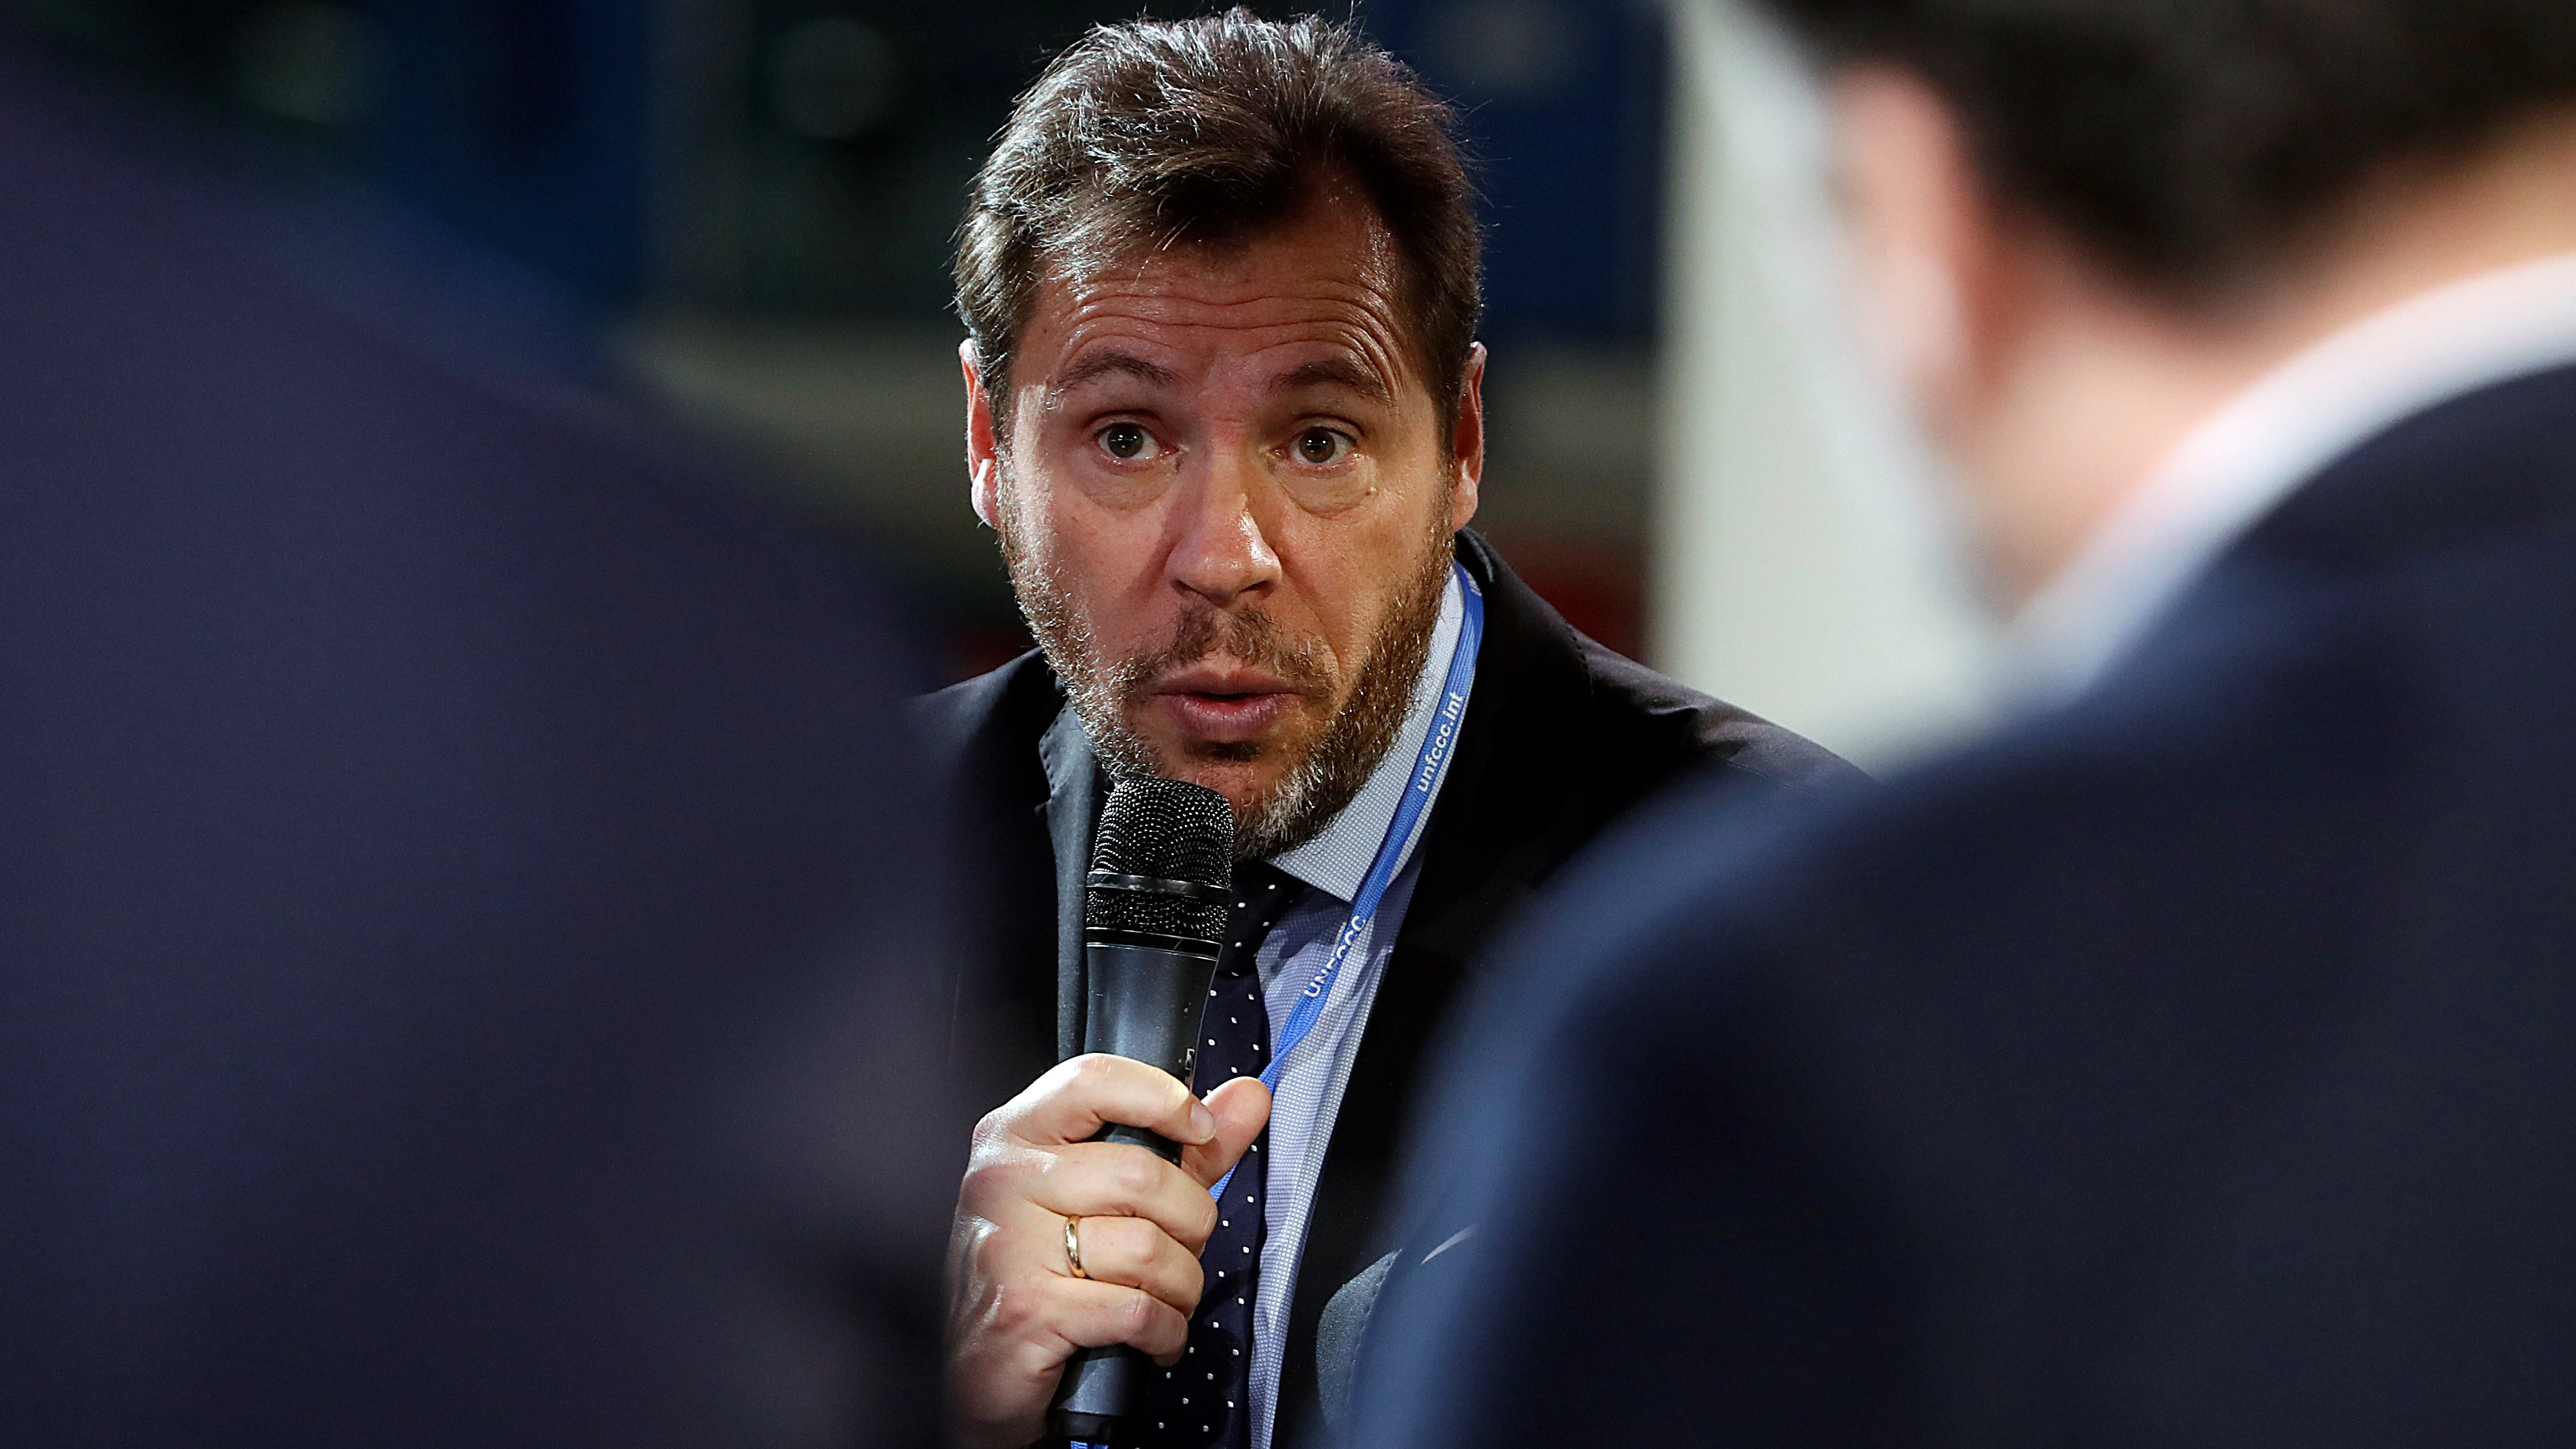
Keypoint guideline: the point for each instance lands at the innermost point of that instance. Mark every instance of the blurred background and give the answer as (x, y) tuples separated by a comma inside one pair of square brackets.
[(752, 201)]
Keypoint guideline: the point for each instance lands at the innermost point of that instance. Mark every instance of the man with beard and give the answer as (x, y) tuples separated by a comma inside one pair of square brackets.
[(1225, 416)]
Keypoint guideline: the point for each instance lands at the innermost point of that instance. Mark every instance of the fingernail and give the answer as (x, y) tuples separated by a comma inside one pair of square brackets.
[(1202, 1121)]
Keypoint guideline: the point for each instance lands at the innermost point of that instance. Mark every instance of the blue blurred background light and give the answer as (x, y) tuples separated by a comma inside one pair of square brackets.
[(1563, 103), (527, 124)]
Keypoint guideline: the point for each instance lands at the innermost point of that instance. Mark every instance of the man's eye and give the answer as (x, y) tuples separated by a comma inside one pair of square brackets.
[(1126, 442), (1322, 446)]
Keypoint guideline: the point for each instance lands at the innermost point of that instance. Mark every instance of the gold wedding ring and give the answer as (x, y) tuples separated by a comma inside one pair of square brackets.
[(1073, 1248)]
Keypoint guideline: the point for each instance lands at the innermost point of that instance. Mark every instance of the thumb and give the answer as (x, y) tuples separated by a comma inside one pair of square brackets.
[(1242, 1109)]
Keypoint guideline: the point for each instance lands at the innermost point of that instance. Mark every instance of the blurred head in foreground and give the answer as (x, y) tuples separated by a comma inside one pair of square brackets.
[(2186, 1063), (2084, 225), (1221, 281)]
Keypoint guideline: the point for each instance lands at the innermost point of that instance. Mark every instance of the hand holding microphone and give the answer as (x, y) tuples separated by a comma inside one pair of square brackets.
[(1019, 1312)]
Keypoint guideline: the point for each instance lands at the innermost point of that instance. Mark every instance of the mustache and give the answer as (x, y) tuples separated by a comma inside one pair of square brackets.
[(1248, 635)]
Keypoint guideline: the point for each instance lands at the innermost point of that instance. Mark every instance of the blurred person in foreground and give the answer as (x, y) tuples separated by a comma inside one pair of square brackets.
[(2190, 1064), (1226, 419), (446, 851)]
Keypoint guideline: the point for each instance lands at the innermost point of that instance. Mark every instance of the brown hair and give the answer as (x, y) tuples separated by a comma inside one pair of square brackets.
[(1149, 134)]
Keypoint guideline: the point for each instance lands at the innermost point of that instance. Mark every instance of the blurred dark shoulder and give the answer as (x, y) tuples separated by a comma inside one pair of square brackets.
[(1584, 734), (1635, 703), (438, 800), (981, 734)]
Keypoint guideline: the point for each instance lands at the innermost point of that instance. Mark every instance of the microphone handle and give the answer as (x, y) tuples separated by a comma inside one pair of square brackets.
[(1144, 1003)]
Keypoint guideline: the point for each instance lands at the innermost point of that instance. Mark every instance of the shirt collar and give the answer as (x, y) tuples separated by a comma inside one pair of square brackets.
[(1338, 860), (2255, 451)]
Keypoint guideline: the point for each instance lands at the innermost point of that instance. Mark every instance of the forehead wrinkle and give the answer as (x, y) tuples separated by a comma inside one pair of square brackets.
[(1315, 300), (1358, 325), (1110, 362), (1355, 314), (1355, 372)]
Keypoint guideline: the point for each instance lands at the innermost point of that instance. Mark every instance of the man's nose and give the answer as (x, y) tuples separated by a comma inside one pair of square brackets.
[(1219, 551)]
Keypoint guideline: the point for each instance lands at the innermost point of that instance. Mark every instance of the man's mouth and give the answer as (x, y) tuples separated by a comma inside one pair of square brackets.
[(1223, 705)]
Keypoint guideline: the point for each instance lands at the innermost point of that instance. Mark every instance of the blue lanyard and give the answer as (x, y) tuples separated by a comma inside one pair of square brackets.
[(1429, 769)]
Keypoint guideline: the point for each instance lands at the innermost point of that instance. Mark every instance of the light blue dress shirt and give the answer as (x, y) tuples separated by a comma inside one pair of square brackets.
[(1313, 1076)]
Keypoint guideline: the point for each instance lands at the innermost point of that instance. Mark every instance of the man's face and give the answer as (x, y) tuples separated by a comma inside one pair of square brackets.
[(1227, 501)]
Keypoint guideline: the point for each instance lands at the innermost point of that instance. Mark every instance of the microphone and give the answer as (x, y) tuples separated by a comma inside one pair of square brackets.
[(1153, 916)]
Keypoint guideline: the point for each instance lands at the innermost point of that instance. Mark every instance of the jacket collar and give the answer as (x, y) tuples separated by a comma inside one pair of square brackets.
[(1072, 810), (1492, 836), (2479, 468), (2291, 425), (2487, 464)]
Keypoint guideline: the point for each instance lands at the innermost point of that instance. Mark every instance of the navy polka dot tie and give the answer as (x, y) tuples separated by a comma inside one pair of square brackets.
[(1206, 1398)]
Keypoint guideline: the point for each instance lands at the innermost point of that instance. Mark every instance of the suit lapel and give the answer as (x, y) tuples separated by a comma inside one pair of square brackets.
[(1072, 810), (1513, 807), (2488, 463)]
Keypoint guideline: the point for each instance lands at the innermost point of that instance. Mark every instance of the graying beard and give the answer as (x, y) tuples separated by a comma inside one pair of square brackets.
[(1319, 787), (1311, 792), (1047, 605)]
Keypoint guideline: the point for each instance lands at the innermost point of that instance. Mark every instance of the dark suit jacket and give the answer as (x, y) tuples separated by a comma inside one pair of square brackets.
[(1562, 736), (2193, 1065), (444, 851)]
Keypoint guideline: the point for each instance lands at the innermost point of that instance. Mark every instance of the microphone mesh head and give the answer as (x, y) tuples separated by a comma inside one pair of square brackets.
[(1163, 830)]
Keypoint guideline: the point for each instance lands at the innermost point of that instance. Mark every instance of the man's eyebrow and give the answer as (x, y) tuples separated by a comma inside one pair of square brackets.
[(1113, 364), (1346, 372)]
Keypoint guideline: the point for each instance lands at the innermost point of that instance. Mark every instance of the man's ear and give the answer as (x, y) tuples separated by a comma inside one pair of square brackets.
[(983, 445), (1467, 442), (1937, 284)]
